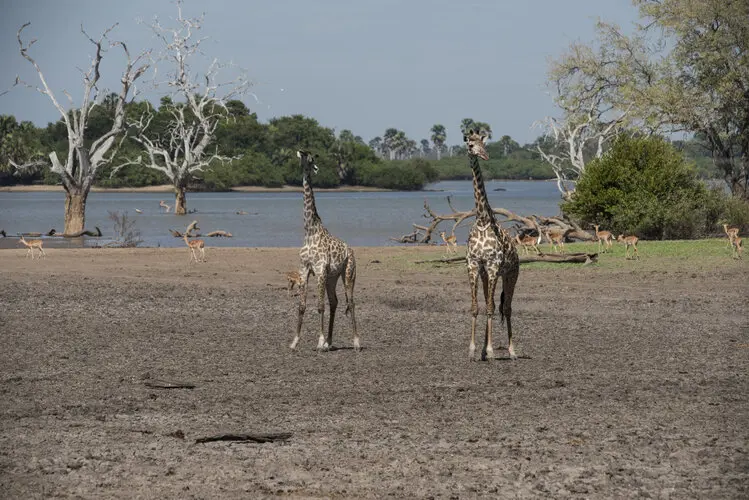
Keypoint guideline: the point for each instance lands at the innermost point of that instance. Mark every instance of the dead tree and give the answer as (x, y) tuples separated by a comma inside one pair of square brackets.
[(183, 151), (83, 160), (574, 135), (533, 224)]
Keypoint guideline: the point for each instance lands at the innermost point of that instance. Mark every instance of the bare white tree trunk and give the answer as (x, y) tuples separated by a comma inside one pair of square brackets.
[(183, 151), (576, 133), (79, 169)]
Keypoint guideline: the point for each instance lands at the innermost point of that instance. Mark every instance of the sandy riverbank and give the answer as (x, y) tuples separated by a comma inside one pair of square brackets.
[(633, 381)]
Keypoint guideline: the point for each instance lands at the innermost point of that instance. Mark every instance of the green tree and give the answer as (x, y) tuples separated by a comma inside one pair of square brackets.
[(686, 68), (644, 186), (439, 136)]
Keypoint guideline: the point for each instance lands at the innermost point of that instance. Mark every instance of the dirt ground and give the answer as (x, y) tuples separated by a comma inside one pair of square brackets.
[(633, 381)]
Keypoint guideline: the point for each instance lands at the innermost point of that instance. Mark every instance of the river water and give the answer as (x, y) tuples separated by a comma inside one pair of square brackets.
[(273, 219)]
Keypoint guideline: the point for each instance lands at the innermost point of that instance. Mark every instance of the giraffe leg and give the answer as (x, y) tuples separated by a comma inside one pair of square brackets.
[(330, 285), (321, 281), (473, 277), (508, 290), (304, 273), (349, 279), (490, 285)]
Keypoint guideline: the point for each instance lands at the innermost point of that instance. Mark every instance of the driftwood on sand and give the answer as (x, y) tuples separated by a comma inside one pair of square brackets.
[(167, 384), (578, 258), (253, 438)]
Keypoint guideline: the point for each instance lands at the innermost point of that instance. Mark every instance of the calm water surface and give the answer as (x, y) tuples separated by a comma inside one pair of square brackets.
[(275, 219)]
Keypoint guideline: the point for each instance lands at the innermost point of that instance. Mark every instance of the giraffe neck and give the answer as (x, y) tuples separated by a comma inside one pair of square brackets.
[(311, 218), (484, 213)]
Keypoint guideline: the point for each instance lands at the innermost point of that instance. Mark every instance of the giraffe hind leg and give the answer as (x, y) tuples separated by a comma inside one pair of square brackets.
[(349, 280), (330, 286), (508, 290), (321, 283), (304, 274)]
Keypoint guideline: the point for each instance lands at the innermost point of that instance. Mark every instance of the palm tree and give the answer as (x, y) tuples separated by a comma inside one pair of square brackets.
[(389, 140), (439, 136), (376, 145), (425, 149)]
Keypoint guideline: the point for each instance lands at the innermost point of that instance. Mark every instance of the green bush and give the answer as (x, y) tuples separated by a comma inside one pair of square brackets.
[(426, 168), (644, 186), (399, 175)]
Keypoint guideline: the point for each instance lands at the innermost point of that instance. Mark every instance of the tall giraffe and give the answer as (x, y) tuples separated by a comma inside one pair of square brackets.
[(326, 257), (490, 255)]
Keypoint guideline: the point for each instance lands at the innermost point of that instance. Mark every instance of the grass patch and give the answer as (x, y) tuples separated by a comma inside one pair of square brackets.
[(697, 255)]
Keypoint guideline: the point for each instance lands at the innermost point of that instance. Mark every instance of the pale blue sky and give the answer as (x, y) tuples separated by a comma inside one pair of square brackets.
[(361, 65)]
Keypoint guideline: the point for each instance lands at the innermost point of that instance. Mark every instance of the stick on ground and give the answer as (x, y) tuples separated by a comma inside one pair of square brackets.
[(165, 384), (254, 438)]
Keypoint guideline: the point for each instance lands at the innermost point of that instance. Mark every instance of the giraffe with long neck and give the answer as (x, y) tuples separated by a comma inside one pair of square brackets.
[(491, 255), (327, 258)]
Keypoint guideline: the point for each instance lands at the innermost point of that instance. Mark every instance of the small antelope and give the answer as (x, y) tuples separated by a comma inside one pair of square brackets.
[(528, 241), (629, 241), (556, 240), (451, 242), (194, 245), (295, 279), (731, 232), (605, 239), (31, 245), (166, 207), (737, 246)]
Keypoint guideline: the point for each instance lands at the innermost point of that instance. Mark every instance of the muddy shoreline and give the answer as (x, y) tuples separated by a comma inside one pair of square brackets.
[(634, 382)]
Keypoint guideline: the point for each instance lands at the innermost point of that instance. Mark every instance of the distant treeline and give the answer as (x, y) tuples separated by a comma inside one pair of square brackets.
[(265, 153)]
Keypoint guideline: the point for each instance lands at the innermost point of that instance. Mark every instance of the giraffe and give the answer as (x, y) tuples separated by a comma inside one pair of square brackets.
[(326, 257), (491, 254)]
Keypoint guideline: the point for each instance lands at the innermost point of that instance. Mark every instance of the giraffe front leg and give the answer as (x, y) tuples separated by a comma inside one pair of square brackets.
[(321, 280), (302, 306), (473, 276), (490, 286)]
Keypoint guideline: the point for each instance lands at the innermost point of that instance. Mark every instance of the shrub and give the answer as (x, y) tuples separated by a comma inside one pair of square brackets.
[(644, 186)]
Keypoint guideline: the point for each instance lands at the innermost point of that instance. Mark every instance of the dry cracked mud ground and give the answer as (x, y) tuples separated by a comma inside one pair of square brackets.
[(634, 381)]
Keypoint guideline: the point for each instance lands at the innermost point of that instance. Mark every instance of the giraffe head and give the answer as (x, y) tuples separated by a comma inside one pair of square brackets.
[(476, 144), (307, 160)]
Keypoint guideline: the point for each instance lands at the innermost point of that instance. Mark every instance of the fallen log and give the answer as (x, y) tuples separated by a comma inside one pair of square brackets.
[(254, 438), (575, 258), (177, 234), (530, 225), (84, 232), (165, 384), (219, 234)]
